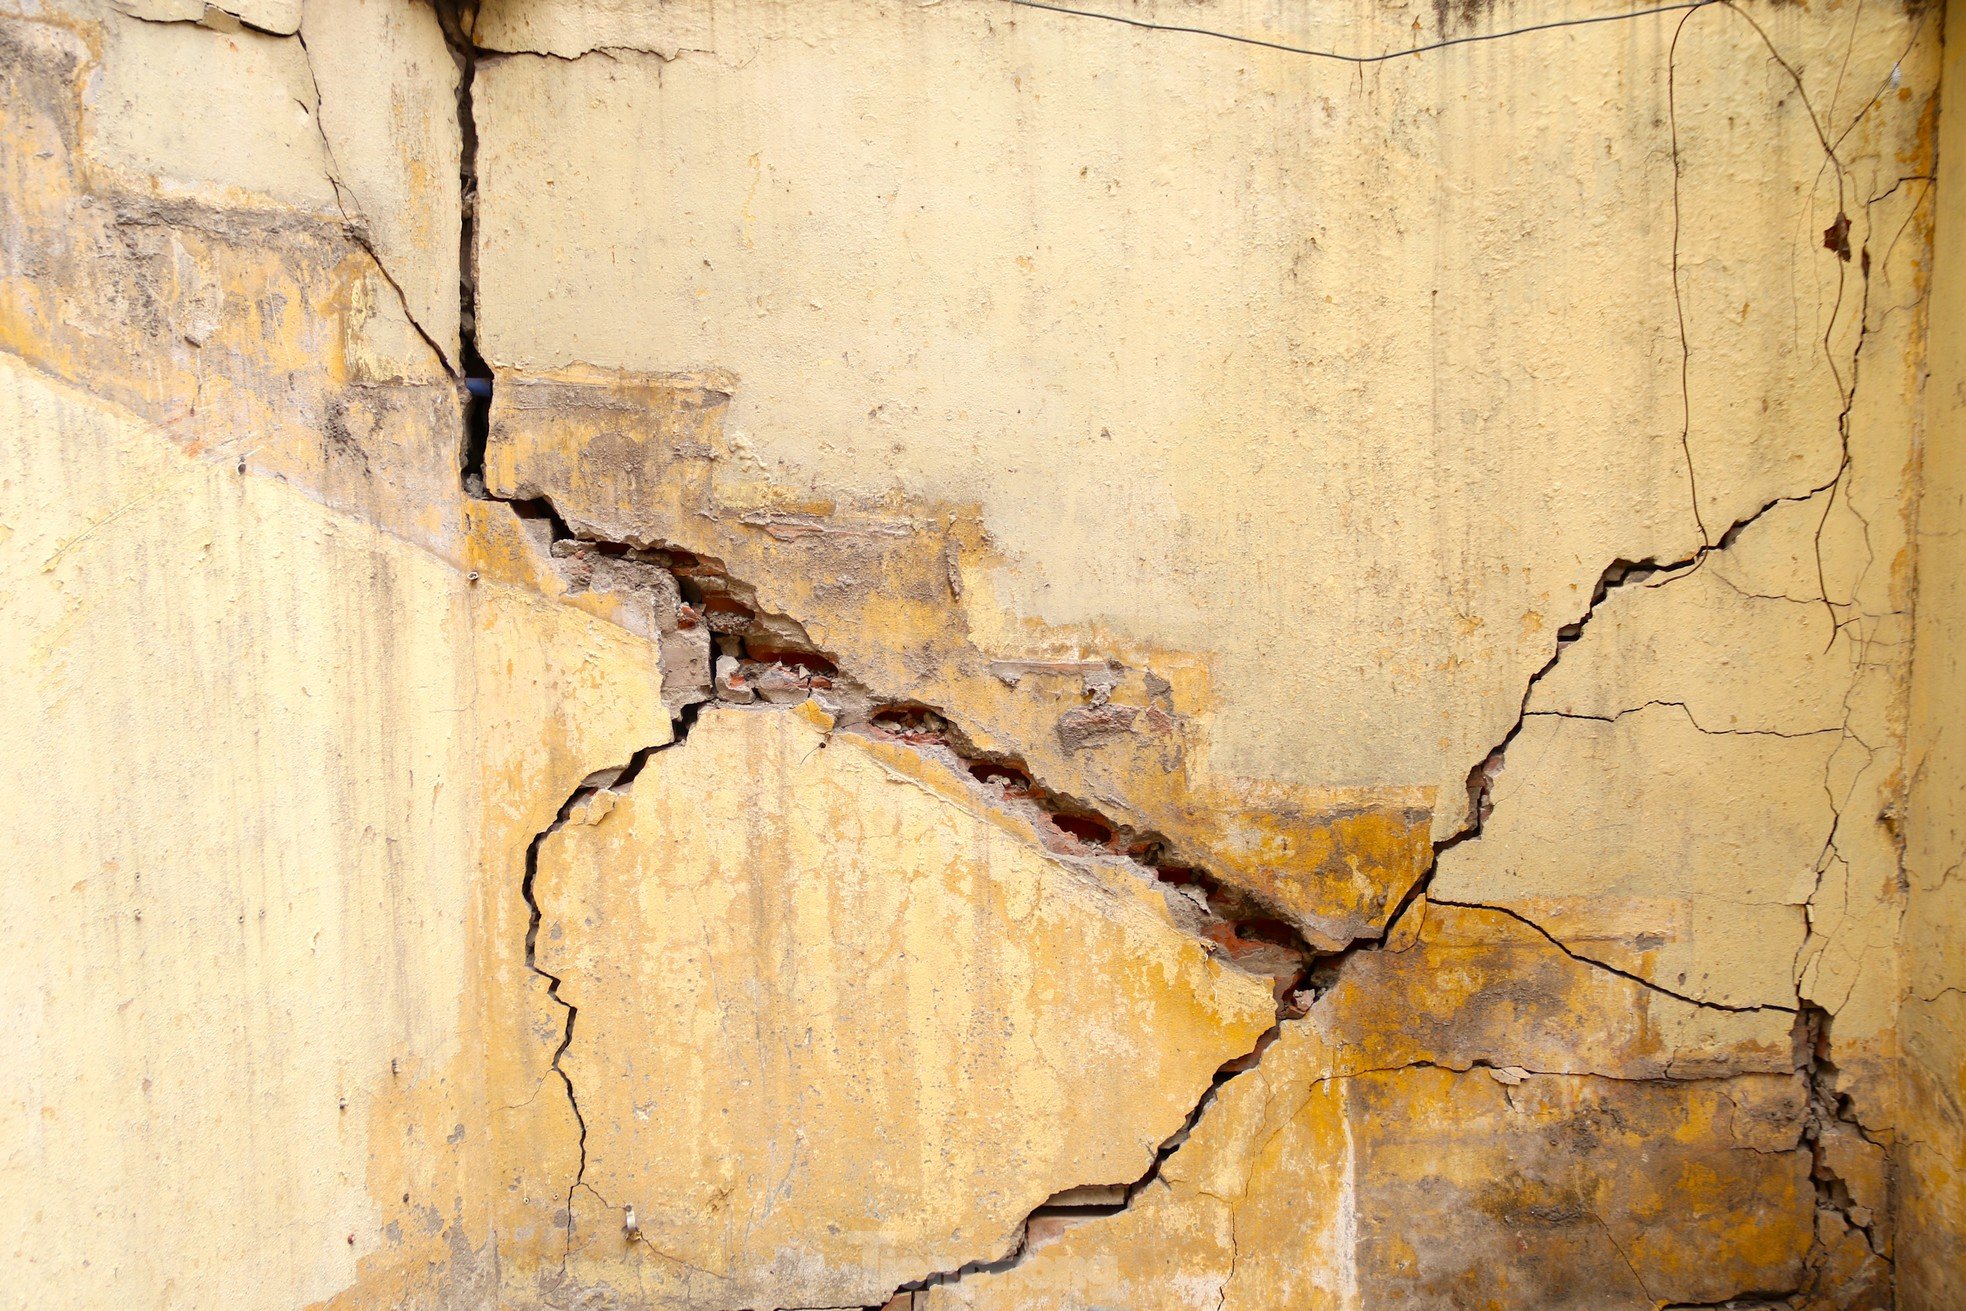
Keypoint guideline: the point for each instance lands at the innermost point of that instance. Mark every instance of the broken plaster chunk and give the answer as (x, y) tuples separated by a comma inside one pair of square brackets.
[(1843, 1153), (937, 1028), (280, 17), (731, 683), (779, 685)]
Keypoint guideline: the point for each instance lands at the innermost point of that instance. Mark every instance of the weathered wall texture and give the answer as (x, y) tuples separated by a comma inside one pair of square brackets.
[(1934, 1018), (1049, 663)]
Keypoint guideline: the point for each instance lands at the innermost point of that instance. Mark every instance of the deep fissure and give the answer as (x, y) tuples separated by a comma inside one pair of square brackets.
[(795, 668), (744, 671), (763, 659), (458, 20)]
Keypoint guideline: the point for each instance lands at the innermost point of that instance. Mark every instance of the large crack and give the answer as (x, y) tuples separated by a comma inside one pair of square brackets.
[(458, 19), (762, 656), (767, 658)]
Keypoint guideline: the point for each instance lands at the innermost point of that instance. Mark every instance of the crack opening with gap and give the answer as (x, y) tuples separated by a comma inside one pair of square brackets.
[(757, 657)]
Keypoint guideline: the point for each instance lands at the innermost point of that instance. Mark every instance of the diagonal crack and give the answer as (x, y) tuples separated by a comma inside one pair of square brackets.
[(928, 727), (1608, 968), (1231, 922), (356, 224)]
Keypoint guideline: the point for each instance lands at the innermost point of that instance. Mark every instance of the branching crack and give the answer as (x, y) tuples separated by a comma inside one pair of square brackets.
[(767, 658), (758, 656)]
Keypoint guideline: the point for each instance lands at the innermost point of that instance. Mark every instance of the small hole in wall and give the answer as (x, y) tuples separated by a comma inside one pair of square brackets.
[(1012, 778), (910, 723), (1086, 828), (806, 662), (1263, 929)]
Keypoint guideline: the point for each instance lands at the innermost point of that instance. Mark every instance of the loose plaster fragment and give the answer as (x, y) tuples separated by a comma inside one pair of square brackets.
[(834, 1031), (279, 17), (1847, 1274)]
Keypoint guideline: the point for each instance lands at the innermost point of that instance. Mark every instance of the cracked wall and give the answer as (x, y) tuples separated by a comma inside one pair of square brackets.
[(841, 655)]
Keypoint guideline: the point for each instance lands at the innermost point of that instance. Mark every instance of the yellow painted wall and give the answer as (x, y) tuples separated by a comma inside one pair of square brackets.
[(1934, 1017), (1078, 663)]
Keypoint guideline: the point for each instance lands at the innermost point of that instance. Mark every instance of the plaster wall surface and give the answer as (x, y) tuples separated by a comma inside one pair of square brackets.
[(1935, 919), (1075, 663)]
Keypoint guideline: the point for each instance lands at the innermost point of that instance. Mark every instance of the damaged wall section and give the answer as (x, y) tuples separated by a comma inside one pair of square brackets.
[(1074, 665)]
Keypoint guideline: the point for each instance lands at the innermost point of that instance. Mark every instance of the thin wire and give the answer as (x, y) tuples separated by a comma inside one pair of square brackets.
[(1364, 59)]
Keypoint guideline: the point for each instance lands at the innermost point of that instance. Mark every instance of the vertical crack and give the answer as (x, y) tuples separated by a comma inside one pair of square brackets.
[(459, 20), (607, 780), (1830, 1111), (1678, 298)]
